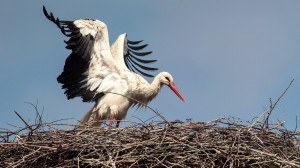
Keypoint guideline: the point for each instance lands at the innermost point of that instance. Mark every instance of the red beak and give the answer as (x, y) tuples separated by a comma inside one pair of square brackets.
[(176, 91)]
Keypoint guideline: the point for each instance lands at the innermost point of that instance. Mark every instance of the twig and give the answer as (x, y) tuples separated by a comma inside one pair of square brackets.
[(257, 120), (273, 107), (24, 158), (24, 121)]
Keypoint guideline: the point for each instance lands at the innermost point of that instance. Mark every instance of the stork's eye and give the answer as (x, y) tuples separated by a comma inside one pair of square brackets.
[(168, 79)]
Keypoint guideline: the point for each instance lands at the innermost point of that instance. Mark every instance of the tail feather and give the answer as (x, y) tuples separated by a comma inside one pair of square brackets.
[(89, 119)]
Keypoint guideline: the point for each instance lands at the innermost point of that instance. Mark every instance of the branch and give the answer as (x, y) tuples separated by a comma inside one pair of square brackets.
[(23, 121), (266, 125), (272, 107)]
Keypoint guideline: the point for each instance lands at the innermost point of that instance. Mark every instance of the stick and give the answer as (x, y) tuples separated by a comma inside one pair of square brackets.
[(273, 107), (23, 121)]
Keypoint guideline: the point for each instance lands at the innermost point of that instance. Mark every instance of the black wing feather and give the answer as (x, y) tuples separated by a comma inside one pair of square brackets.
[(52, 19), (135, 68), (134, 42), (140, 53), (73, 76), (142, 61), (136, 64), (141, 66), (137, 47)]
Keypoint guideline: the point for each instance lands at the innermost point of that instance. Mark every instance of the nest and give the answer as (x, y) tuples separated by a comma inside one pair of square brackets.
[(219, 143)]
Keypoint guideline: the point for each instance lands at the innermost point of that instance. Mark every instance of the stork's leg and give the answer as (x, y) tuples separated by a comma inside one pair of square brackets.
[(111, 121), (118, 123)]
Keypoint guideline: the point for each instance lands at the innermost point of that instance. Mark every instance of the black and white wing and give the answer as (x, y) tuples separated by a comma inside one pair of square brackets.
[(129, 55), (90, 70)]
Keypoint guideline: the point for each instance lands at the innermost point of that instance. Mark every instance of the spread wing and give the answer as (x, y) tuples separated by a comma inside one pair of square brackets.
[(129, 55), (90, 70)]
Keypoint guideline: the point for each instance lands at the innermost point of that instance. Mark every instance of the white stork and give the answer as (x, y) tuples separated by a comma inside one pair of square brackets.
[(96, 71)]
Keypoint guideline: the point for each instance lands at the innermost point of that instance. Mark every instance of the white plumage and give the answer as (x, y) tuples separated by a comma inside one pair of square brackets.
[(106, 74)]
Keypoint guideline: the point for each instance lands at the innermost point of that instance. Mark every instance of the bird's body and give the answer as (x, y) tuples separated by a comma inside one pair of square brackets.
[(96, 71), (116, 104)]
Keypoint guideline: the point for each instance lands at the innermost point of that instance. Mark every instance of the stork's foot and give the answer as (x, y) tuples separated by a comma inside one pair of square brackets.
[(112, 120), (118, 123)]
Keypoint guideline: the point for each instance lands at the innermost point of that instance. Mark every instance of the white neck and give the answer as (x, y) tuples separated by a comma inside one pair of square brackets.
[(150, 91), (155, 86)]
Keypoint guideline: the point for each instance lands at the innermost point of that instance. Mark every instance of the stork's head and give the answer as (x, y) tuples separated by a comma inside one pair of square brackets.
[(167, 79)]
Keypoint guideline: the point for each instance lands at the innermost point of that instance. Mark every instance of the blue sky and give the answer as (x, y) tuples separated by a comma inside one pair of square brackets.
[(227, 57)]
